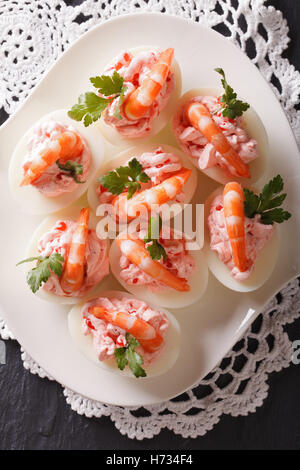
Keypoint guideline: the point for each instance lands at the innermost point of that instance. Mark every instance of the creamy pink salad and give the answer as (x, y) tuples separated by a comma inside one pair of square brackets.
[(134, 69), (107, 337), (158, 165), (256, 233), (202, 152), (179, 261), (55, 182), (58, 239)]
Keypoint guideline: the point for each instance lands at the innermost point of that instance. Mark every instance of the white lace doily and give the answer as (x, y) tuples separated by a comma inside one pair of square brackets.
[(32, 36)]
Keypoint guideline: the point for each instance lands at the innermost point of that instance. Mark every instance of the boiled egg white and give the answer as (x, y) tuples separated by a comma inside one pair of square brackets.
[(264, 264), (71, 213), (254, 128), (169, 298), (113, 136), (29, 198), (161, 365)]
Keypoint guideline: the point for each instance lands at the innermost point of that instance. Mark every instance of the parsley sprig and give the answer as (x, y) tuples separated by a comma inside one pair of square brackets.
[(90, 106), (73, 168), (156, 250), (267, 202), (231, 107), (128, 356), (125, 177), (41, 273)]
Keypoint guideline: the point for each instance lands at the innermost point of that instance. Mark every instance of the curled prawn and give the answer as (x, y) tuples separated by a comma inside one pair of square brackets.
[(160, 194), (200, 118), (73, 273), (146, 334), (233, 203), (140, 100), (67, 145), (135, 251)]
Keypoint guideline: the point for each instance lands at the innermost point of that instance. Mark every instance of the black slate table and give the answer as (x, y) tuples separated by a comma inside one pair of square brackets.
[(34, 413)]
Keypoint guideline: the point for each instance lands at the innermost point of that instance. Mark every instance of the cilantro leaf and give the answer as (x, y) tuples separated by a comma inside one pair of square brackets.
[(267, 203), (41, 273), (108, 85), (73, 168), (156, 250), (125, 177), (89, 108), (231, 106), (128, 356)]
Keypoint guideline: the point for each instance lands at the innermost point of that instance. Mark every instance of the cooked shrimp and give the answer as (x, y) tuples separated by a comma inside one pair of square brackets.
[(73, 273), (201, 119), (160, 194), (146, 334), (67, 145), (233, 202), (136, 252), (140, 100)]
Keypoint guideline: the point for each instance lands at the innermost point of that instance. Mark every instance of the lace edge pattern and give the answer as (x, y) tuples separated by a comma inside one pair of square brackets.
[(28, 52)]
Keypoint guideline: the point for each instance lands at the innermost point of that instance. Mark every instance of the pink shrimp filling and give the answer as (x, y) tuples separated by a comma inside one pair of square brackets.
[(202, 152), (55, 182), (58, 240), (256, 235), (107, 337), (178, 261), (158, 165), (135, 70)]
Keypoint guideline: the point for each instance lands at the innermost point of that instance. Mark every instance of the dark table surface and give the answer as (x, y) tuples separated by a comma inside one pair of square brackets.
[(34, 413)]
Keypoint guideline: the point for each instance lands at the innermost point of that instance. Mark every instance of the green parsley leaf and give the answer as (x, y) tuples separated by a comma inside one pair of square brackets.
[(107, 85), (73, 168), (135, 360), (156, 250), (128, 356), (41, 273), (125, 177), (275, 186), (231, 107), (275, 215), (89, 108), (117, 112), (251, 203), (267, 203), (121, 357)]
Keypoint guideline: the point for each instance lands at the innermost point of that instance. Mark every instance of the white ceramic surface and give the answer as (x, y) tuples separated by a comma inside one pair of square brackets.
[(209, 328)]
